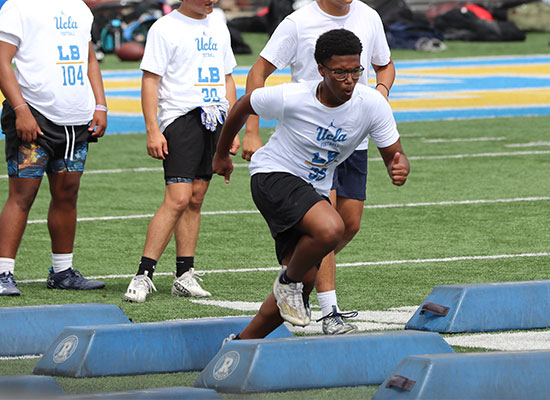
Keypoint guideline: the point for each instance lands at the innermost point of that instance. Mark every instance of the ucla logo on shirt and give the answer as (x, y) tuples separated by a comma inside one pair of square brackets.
[(206, 44), (64, 22), (331, 134)]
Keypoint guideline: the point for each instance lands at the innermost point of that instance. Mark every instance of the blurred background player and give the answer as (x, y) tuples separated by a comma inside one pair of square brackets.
[(319, 125), (51, 97), (187, 69), (293, 44)]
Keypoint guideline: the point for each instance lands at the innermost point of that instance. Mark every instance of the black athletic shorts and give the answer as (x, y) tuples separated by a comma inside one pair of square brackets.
[(57, 140), (350, 177), (191, 148), (283, 199)]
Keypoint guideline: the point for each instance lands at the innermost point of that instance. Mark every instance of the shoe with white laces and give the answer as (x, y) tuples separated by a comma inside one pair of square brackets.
[(140, 286), (290, 301), (8, 286), (187, 285), (231, 337), (333, 323)]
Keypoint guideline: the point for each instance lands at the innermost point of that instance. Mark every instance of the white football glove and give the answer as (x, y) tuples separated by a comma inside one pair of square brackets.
[(211, 115)]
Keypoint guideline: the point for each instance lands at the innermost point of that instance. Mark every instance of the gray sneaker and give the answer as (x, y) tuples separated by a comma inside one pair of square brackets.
[(334, 325), (290, 301), (8, 286)]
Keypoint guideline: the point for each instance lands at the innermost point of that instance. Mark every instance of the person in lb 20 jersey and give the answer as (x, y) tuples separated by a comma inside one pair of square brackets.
[(55, 104), (187, 75)]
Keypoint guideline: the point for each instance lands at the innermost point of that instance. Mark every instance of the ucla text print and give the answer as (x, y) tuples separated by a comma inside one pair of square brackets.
[(208, 78), (70, 60)]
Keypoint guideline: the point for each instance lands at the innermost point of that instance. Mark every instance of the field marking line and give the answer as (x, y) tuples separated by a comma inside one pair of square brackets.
[(457, 140), (339, 265), (242, 165), (15, 358), (373, 206)]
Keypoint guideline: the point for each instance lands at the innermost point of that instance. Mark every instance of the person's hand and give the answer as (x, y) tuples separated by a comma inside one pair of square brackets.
[(26, 126), (222, 166), (235, 145), (98, 124), (398, 172), (157, 147), (251, 143)]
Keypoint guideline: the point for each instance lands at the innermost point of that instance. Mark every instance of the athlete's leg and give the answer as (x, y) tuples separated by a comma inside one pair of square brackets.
[(176, 200), (13, 218), (188, 226), (62, 212), (187, 234), (351, 211), (323, 229)]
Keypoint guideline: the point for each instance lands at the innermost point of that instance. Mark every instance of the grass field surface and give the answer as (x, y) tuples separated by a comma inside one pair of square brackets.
[(475, 209)]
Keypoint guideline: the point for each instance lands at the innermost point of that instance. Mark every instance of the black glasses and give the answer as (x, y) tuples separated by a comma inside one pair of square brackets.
[(342, 74)]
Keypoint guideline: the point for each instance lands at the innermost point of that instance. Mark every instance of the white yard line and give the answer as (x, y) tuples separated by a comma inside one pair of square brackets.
[(456, 140), (374, 206), (241, 165), (13, 358), (530, 144), (343, 265)]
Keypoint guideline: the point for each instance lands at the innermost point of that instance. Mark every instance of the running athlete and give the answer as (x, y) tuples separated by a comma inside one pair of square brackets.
[(293, 44), (319, 125)]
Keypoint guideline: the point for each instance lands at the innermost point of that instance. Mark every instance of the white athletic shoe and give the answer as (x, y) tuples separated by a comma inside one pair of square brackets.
[(290, 301), (140, 286), (187, 285), (333, 323)]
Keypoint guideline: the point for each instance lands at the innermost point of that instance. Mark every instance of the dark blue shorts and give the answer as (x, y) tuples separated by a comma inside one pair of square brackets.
[(350, 177)]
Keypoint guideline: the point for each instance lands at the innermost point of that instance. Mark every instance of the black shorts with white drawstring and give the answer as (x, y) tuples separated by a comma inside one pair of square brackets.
[(61, 144)]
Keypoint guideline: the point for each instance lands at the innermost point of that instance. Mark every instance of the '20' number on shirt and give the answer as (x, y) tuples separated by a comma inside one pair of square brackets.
[(210, 77), (71, 66)]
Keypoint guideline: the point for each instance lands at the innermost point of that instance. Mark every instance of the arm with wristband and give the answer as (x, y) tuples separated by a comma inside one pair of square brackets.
[(99, 120)]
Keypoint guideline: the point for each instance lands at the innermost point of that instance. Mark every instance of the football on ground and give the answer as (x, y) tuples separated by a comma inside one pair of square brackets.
[(130, 51)]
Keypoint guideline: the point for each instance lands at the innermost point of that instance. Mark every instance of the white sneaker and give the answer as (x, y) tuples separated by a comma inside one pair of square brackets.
[(187, 285), (140, 286), (333, 323), (290, 301)]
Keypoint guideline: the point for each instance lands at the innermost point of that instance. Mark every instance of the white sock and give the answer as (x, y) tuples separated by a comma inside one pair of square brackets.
[(62, 262), (326, 301), (7, 265)]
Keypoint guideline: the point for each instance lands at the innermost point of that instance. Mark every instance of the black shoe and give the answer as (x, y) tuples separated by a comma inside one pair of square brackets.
[(71, 279)]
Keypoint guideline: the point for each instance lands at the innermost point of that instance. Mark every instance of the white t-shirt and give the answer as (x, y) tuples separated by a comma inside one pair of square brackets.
[(52, 39), (310, 139), (293, 42), (192, 56)]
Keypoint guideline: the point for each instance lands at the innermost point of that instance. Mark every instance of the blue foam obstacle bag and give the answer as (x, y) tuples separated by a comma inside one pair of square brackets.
[(484, 307)]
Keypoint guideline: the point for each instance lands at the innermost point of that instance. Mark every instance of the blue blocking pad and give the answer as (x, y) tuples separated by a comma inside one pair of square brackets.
[(170, 393), (31, 330), (484, 307), (29, 387), (498, 375), (142, 348), (267, 365)]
